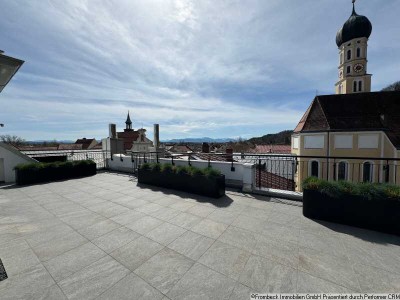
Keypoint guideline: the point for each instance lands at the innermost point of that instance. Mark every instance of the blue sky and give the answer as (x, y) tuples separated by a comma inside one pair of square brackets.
[(198, 68)]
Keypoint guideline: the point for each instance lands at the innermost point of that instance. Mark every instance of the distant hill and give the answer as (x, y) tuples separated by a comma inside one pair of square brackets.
[(50, 141), (281, 138), (199, 140)]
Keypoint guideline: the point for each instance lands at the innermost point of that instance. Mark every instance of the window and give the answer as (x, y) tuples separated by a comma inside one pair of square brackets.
[(360, 86), (342, 171), (367, 172), (340, 89), (348, 54), (355, 86), (358, 52), (348, 69), (314, 168)]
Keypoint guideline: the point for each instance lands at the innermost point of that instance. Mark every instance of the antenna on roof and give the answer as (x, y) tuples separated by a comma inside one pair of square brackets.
[(316, 92)]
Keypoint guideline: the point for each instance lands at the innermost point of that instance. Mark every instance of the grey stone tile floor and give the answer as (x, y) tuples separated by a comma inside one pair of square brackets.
[(105, 237)]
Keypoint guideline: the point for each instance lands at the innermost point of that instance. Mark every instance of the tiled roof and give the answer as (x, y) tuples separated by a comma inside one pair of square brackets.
[(280, 149), (274, 181), (377, 111), (37, 148), (70, 147), (85, 142), (129, 137), (214, 157), (180, 149)]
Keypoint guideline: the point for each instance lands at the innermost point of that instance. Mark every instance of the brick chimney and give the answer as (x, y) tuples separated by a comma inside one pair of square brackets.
[(229, 154), (205, 148)]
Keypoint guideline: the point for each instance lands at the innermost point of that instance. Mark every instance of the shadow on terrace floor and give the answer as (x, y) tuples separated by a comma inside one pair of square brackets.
[(362, 233), (224, 201)]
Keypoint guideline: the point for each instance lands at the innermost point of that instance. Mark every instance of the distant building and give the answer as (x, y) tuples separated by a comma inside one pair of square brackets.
[(134, 140), (87, 144), (273, 149), (178, 149)]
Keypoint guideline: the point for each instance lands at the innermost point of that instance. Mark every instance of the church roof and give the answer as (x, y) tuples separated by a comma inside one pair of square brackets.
[(376, 111), (355, 27)]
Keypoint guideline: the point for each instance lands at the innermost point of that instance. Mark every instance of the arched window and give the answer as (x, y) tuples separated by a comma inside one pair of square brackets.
[(360, 86), (355, 86), (348, 54), (358, 52), (367, 172), (314, 168), (342, 170), (348, 69)]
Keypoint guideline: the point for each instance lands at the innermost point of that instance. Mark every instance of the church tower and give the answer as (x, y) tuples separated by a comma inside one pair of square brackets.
[(352, 40)]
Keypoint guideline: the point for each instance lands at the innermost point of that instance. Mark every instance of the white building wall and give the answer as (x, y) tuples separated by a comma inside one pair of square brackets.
[(10, 158), (241, 175)]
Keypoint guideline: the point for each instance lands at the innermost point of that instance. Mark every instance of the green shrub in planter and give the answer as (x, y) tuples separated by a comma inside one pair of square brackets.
[(43, 172), (367, 205), (206, 182)]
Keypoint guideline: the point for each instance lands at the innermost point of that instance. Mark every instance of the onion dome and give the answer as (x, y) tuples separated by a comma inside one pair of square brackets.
[(355, 27)]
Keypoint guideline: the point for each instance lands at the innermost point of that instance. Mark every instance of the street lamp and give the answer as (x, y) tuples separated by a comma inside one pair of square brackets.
[(8, 67)]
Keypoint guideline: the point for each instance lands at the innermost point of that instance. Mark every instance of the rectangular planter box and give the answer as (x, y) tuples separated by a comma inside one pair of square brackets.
[(381, 215), (201, 185), (53, 173)]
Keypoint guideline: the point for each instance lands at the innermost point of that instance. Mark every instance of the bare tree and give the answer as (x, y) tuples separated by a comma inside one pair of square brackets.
[(12, 139)]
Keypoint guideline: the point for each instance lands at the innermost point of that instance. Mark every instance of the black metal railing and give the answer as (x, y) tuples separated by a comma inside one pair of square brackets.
[(287, 171), (278, 171)]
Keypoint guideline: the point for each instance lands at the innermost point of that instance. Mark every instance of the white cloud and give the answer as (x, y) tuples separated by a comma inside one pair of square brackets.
[(220, 68)]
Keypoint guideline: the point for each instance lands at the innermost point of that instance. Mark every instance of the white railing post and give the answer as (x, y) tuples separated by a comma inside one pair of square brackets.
[(248, 177)]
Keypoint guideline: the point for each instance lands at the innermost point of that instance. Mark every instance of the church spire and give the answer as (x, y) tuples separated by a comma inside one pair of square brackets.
[(128, 122)]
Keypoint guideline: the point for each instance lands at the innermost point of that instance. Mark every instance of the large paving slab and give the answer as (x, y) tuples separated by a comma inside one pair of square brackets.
[(105, 237)]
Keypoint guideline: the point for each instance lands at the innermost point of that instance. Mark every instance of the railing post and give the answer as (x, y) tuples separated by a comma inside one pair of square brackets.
[(259, 173), (334, 170)]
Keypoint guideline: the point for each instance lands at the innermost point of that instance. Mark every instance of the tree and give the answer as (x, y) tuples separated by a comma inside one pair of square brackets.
[(393, 87), (12, 139)]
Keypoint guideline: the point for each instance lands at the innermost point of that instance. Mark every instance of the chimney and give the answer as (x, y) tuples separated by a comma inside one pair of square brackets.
[(229, 154), (112, 131), (156, 140), (205, 148)]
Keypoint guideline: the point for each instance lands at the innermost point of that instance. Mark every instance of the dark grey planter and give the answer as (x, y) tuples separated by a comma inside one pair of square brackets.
[(381, 215), (201, 185)]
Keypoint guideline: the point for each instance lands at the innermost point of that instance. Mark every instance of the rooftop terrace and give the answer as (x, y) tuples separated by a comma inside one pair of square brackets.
[(104, 237)]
